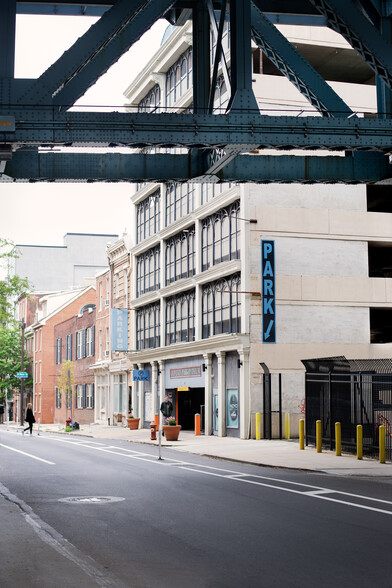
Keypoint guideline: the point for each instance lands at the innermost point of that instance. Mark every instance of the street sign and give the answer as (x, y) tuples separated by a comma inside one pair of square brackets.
[(141, 375), (268, 291), (22, 375)]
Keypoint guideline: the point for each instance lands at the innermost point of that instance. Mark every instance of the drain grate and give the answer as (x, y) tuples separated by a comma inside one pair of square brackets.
[(90, 499)]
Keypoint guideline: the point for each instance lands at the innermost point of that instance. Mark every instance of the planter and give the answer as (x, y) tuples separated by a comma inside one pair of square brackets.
[(171, 432), (133, 423)]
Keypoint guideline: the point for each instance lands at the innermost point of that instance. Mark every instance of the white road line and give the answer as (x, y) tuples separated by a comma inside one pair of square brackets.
[(296, 487), (27, 454), (313, 494)]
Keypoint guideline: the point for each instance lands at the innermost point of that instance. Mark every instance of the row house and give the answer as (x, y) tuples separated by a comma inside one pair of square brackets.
[(74, 354), (53, 310), (111, 368)]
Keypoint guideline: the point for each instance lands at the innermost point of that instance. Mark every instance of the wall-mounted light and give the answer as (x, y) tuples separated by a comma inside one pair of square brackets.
[(239, 363), (204, 367)]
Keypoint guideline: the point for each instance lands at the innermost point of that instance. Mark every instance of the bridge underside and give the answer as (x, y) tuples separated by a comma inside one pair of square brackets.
[(38, 125)]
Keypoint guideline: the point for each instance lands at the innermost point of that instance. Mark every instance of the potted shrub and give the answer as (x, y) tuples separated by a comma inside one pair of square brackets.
[(133, 422), (171, 430)]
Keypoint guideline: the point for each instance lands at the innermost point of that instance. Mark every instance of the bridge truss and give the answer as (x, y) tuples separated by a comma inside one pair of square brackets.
[(37, 114)]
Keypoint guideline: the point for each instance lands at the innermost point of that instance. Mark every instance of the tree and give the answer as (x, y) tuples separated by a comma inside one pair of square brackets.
[(10, 361), (66, 379), (11, 287)]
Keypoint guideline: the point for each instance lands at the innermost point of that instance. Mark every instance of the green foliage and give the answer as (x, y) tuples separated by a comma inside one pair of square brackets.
[(11, 287), (10, 360), (66, 377)]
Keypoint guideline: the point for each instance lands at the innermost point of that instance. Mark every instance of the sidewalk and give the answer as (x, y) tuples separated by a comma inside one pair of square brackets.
[(275, 453)]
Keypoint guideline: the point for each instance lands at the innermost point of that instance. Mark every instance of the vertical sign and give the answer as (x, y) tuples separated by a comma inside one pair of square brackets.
[(268, 291), (119, 329)]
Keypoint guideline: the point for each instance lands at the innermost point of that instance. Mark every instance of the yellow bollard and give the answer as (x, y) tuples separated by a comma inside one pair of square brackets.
[(359, 442), (319, 440), (301, 434), (338, 439), (287, 425), (258, 426), (381, 443)]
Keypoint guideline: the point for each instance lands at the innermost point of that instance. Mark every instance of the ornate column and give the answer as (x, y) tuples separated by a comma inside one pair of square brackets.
[(208, 400), (161, 375), (244, 394), (221, 355), (154, 387)]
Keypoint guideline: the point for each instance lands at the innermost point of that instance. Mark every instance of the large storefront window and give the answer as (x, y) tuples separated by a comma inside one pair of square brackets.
[(147, 271), (180, 318), (220, 236), (221, 306), (179, 201), (148, 216), (148, 326), (180, 256)]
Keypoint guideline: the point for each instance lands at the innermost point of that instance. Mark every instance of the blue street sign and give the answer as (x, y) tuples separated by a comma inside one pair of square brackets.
[(268, 291), (22, 375), (141, 375)]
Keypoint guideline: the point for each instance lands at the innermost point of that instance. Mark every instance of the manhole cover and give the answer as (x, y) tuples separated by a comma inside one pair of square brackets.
[(90, 499)]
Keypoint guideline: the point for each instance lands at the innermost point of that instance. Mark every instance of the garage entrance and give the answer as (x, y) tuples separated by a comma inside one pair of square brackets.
[(189, 403)]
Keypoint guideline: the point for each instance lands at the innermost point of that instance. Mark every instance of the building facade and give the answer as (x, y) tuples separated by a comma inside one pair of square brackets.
[(204, 329), (74, 354), (65, 267), (44, 364), (112, 368)]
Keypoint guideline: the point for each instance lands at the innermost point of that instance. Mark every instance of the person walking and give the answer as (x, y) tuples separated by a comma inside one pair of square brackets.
[(29, 418), (166, 410)]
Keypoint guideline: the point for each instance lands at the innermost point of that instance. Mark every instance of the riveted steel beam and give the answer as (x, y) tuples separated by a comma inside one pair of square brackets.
[(51, 127), (32, 165)]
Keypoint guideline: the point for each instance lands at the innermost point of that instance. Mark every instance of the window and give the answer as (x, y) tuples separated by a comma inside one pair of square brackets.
[(179, 201), (180, 256), (100, 296), (148, 271), (100, 344), (79, 344), (179, 78), (58, 350), (152, 101), (180, 318), (148, 326), (78, 396), (220, 236), (68, 347), (58, 397), (209, 191), (89, 395), (148, 216), (90, 343), (221, 307), (381, 325)]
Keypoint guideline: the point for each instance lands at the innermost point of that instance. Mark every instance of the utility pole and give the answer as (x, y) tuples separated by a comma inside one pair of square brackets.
[(23, 325)]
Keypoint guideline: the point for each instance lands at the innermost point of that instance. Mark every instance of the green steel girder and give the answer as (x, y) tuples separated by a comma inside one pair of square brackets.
[(32, 165), (51, 127), (296, 69), (345, 18), (91, 56)]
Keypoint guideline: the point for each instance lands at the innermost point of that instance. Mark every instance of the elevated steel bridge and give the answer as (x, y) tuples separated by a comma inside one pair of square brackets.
[(36, 113)]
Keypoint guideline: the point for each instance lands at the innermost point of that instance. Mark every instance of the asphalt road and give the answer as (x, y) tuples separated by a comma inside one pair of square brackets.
[(128, 519)]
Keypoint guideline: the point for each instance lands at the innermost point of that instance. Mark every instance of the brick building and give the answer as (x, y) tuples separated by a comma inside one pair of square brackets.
[(44, 350), (74, 354)]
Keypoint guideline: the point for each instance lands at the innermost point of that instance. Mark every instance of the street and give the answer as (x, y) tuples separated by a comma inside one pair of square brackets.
[(126, 518)]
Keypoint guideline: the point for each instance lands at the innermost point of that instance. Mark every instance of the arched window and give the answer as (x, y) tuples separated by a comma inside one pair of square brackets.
[(221, 307), (148, 326), (180, 257), (180, 318), (220, 236), (152, 101), (148, 271), (148, 216), (178, 78), (179, 201)]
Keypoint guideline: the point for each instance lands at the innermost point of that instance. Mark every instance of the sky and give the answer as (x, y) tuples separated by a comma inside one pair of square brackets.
[(42, 213)]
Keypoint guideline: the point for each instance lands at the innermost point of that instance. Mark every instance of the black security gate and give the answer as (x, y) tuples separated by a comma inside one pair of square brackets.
[(337, 392)]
